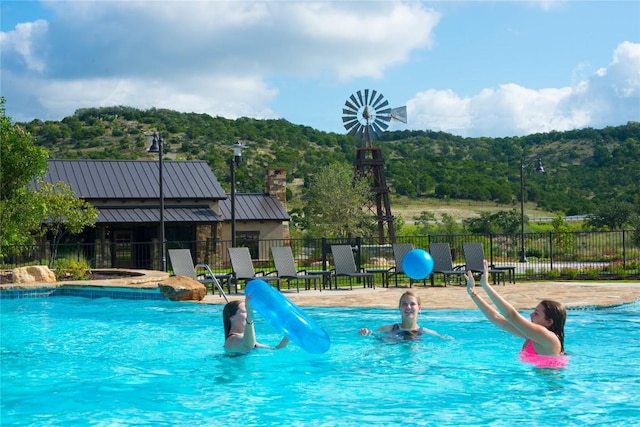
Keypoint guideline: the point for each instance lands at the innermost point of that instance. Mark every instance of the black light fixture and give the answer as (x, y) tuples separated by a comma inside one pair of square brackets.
[(235, 161), (539, 169), (156, 147)]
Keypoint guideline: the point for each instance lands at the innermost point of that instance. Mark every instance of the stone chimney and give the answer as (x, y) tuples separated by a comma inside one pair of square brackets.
[(275, 183)]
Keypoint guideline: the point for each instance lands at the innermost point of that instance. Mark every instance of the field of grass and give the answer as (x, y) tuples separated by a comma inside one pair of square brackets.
[(458, 209)]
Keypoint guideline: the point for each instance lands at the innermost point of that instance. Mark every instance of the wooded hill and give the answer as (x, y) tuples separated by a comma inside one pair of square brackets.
[(584, 168)]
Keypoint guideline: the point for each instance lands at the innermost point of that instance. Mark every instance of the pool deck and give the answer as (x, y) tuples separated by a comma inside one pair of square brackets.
[(523, 295)]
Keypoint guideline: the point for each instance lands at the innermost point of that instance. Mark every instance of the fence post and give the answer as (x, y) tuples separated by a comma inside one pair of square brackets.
[(550, 250), (490, 249), (624, 249), (324, 253), (358, 253)]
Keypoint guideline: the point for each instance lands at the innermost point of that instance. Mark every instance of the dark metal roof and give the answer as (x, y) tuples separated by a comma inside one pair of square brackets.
[(152, 214), (136, 179), (255, 207)]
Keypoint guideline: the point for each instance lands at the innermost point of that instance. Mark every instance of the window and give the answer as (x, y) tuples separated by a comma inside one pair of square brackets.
[(250, 240)]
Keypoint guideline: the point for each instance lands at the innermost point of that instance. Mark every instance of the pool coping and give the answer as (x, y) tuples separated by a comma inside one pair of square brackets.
[(142, 284), (523, 295)]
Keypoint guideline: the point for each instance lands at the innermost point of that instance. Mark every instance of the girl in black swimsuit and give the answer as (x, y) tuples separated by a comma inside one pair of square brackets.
[(409, 307)]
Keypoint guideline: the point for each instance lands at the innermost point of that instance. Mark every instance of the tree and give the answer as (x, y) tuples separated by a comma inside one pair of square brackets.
[(449, 225), (26, 212), (611, 215), (21, 162), (335, 203), (20, 158), (502, 222), (425, 223), (65, 213), (563, 237)]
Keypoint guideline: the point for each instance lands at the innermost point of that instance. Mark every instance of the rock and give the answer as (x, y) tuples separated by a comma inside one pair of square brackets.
[(182, 288), (33, 274)]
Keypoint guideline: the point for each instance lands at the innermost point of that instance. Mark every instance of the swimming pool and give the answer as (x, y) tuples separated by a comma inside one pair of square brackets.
[(77, 361)]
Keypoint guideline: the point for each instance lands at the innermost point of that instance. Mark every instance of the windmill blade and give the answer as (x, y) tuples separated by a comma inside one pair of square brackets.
[(384, 104), (376, 129), (381, 123), (354, 129), (355, 101), (385, 114), (399, 114), (350, 114), (366, 97), (351, 106), (348, 120), (377, 101), (348, 124), (360, 97)]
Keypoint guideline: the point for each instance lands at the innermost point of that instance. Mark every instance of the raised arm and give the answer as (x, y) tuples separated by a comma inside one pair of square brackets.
[(489, 312), (523, 326)]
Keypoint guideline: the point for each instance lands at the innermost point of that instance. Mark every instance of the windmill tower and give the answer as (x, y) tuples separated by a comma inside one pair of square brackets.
[(366, 115)]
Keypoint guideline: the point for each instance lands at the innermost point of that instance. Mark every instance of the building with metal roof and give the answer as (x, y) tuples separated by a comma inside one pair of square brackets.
[(196, 209)]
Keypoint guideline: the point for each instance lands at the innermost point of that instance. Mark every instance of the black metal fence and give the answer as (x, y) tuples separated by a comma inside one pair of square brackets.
[(549, 255)]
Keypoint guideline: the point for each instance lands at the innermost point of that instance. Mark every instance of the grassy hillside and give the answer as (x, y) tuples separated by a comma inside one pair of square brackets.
[(584, 168)]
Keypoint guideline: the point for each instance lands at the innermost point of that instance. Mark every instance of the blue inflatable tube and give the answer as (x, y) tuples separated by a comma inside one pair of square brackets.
[(287, 317)]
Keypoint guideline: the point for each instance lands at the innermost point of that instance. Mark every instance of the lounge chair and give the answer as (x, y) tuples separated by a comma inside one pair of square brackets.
[(182, 265), (399, 251), (443, 264), (242, 266), (345, 265), (285, 266), (473, 257)]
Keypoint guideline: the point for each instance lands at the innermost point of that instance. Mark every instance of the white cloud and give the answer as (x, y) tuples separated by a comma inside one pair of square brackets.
[(213, 57), (610, 95), (21, 41)]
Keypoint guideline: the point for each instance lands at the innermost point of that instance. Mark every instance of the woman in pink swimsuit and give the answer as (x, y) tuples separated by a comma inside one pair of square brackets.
[(543, 333)]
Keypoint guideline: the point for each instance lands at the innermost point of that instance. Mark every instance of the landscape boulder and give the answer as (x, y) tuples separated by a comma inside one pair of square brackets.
[(33, 274), (182, 288)]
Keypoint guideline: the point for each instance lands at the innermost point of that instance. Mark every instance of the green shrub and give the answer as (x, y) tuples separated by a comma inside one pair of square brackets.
[(553, 274), (593, 273), (72, 268), (571, 273)]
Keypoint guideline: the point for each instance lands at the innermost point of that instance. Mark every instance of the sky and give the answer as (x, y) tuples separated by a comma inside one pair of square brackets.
[(470, 68)]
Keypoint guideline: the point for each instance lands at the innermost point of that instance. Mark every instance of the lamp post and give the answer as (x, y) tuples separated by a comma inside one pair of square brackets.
[(235, 161), (539, 169), (156, 147)]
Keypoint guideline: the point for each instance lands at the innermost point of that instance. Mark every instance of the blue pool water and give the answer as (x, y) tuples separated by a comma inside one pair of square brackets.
[(105, 362)]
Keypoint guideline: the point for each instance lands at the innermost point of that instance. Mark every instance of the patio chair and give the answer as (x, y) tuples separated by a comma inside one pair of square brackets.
[(182, 265), (443, 264), (285, 266), (242, 267), (399, 251), (473, 257), (345, 265)]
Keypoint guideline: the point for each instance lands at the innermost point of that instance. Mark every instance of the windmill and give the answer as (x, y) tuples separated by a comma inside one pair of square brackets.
[(366, 115)]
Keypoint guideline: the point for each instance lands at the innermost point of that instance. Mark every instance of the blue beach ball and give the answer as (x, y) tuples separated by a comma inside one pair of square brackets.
[(417, 264)]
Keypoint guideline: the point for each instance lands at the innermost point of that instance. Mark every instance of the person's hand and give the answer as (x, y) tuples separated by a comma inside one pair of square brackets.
[(364, 331), (471, 282), (282, 343), (485, 274)]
